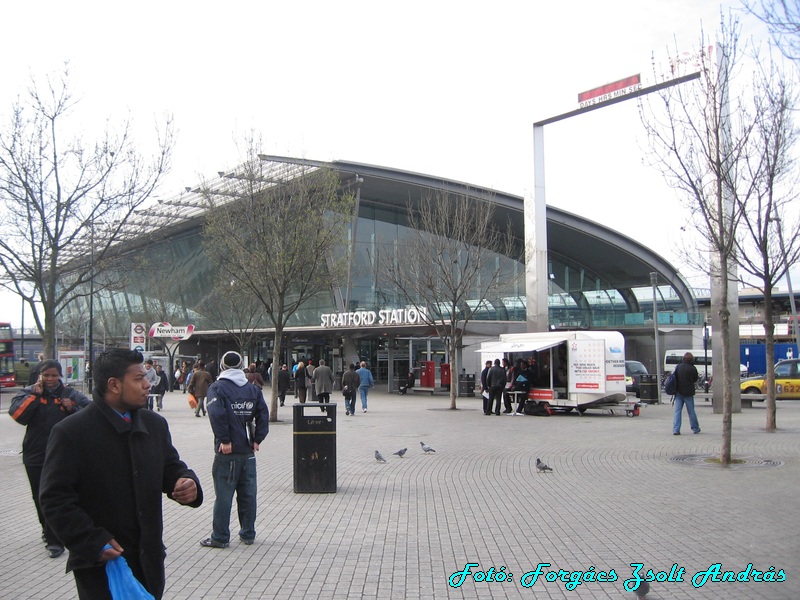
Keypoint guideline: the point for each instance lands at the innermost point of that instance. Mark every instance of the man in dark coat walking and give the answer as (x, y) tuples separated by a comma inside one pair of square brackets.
[(104, 473)]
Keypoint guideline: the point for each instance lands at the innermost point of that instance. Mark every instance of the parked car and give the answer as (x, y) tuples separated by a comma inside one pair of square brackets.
[(633, 376), (787, 381)]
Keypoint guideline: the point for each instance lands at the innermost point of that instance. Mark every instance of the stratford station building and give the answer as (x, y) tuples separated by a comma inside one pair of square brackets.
[(595, 279)]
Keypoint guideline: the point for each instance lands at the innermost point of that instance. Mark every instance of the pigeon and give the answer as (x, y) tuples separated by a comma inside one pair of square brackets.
[(401, 452), (426, 448), (541, 467), (379, 456), (642, 589)]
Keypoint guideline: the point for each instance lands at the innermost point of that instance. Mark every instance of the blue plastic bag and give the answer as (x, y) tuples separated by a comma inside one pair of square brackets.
[(122, 583)]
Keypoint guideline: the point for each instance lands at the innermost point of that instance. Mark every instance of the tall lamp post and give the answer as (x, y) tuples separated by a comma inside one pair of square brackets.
[(788, 281), (90, 370), (654, 283)]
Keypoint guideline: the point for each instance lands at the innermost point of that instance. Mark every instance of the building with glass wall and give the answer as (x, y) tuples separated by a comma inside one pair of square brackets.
[(596, 279)]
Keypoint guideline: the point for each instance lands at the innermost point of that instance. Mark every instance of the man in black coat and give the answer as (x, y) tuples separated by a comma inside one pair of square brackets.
[(485, 394), (496, 381), (104, 475), (686, 377)]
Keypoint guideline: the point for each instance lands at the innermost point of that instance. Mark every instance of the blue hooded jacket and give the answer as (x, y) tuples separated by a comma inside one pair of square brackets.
[(237, 412)]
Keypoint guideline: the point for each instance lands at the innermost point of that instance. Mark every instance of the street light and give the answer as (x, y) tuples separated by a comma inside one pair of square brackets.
[(788, 280), (90, 371), (654, 283)]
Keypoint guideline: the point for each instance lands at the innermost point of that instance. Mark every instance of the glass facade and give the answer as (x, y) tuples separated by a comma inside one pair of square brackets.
[(170, 278)]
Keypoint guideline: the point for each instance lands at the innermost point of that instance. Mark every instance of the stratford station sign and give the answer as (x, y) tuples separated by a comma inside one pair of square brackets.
[(373, 318)]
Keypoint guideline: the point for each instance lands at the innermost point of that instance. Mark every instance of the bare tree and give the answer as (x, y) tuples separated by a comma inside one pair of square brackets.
[(770, 164), (55, 189), (279, 233), (448, 264), (699, 140), (783, 19), (233, 308)]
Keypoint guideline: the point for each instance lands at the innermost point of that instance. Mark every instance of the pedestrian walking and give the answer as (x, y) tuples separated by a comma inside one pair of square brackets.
[(40, 407), (104, 475), (366, 382), (350, 384)]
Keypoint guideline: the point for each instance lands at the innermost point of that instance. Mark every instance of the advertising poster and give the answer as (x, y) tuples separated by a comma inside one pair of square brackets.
[(587, 366)]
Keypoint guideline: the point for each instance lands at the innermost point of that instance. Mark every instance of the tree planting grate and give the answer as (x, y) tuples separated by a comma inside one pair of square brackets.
[(712, 461)]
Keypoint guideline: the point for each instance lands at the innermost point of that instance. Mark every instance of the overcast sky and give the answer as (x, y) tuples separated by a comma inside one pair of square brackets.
[(445, 88)]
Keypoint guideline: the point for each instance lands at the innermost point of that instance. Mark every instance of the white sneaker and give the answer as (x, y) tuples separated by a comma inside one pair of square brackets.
[(365, 410)]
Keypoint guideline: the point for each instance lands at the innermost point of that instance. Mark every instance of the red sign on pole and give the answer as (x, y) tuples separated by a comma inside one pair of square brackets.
[(606, 92)]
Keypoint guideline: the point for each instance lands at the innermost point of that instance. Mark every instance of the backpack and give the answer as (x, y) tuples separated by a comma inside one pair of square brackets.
[(671, 385)]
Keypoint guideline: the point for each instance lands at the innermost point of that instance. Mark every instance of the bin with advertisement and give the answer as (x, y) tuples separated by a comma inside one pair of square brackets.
[(570, 370)]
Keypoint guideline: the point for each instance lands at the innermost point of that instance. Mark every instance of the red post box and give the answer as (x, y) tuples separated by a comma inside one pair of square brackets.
[(444, 375), (427, 374)]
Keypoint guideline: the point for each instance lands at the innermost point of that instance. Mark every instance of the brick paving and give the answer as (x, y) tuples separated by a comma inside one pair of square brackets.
[(400, 529)]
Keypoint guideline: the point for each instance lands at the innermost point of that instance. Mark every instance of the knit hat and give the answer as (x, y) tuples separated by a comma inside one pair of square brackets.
[(231, 360)]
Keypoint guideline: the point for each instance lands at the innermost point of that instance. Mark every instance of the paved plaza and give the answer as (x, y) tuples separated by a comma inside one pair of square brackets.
[(403, 528)]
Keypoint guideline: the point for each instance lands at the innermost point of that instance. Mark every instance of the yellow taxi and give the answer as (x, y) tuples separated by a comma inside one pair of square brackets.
[(787, 381)]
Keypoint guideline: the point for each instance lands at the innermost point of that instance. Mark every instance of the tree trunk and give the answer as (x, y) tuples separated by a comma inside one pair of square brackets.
[(769, 330), (276, 366), (49, 341), (453, 377), (727, 395), (454, 343)]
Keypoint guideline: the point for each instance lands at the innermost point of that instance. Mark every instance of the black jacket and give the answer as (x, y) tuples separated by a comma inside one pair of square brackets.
[(237, 412), (284, 377), (350, 382), (103, 478), (496, 378), (686, 378), (41, 413)]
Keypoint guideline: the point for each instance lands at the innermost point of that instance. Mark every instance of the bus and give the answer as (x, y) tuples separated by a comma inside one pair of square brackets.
[(7, 376), (672, 358), (702, 360)]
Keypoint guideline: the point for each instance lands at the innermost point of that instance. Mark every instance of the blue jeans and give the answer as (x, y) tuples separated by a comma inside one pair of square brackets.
[(350, 402), (234, 473), (676, 419), (363, 391)]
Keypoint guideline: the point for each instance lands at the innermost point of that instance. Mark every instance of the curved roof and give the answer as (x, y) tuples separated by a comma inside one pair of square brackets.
[(621, 261)]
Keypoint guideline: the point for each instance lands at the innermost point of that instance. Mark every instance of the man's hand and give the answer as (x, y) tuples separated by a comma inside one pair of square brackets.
[(111, 553), (255, 446), (226, 448), (185, 490)]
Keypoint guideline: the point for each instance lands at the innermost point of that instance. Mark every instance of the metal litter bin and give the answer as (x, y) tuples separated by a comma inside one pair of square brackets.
[(466, 385), (648, 388), (314, 448)]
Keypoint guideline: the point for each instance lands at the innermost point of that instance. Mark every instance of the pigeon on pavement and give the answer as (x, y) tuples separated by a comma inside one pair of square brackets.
[(642, 589), (426, 448), (379, 456), (541, 467), (401, 452)]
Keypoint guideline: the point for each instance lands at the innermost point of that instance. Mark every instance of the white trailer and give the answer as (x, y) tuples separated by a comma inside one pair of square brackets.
[(574, 369)]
